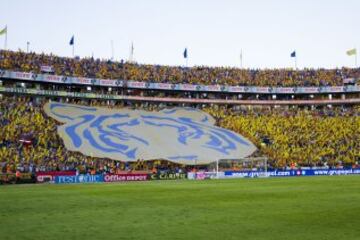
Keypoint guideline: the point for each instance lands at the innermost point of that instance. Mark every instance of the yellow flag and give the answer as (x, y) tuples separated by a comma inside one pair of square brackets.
[(351, 52), (4, 31)]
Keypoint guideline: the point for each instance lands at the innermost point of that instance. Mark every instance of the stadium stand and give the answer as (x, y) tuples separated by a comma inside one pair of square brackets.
[(29, 141), (106, 69), (300, 137), (291, 137)]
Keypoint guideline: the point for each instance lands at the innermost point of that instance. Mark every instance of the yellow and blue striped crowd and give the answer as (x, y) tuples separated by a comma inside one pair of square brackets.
[(287, 137)]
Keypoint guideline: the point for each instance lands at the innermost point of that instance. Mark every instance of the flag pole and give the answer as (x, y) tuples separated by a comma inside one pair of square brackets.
[(112, 50), (295, 61), (73, 49), (186, 56), (132, 51), (5, 44), (356, 59), (241, 59), (131, 55)]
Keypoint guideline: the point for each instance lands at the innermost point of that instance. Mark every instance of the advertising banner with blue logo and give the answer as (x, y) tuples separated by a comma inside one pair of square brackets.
[(79, 179), (290, 173)]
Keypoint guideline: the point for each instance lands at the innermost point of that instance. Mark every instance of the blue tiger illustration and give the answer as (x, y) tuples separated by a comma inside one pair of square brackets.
[(182, 135)]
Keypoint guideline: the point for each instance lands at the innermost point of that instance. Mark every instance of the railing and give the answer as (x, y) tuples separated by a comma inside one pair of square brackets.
[(65, 94), (118, 83)]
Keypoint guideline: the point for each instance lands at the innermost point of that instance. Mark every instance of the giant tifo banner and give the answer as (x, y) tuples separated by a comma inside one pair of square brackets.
[(182, 135)]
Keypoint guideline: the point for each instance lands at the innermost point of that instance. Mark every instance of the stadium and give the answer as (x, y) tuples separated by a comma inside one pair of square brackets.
[(103, 148)]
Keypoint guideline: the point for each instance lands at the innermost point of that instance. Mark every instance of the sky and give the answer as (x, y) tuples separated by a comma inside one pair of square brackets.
[(215, 32)]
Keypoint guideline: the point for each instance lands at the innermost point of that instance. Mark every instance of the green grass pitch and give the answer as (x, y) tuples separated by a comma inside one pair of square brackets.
[(273, 208)]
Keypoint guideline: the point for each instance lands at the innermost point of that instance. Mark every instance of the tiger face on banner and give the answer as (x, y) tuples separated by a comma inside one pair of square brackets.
[(182, 135)]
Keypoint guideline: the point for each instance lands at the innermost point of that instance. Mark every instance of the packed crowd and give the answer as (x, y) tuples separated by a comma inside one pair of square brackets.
[(328, 137), (29, 143), (289, 138), (106, 69)]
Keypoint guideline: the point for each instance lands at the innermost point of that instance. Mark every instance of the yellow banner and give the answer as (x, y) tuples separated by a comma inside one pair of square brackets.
[(351, 52), (4, 31)]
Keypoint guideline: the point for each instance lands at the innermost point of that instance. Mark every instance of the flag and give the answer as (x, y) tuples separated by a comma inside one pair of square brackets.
[(131, 57), (4, 31), (241, 58), (72, 40), (185, 53), (293, 54), (351, 52)]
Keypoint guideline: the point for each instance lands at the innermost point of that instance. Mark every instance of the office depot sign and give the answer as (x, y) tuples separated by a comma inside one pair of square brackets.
[(125, 177)]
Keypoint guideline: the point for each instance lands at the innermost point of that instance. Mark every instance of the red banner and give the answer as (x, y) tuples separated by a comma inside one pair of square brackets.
[(133, 84), (236, 89), (23, 76), (82, 80), (53, 78), (189, 87), (126, 177), (107, 82)]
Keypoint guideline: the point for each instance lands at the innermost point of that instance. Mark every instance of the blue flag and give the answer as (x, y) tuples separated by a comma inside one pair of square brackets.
[(72, 40), (293, 54), (185, 53)]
